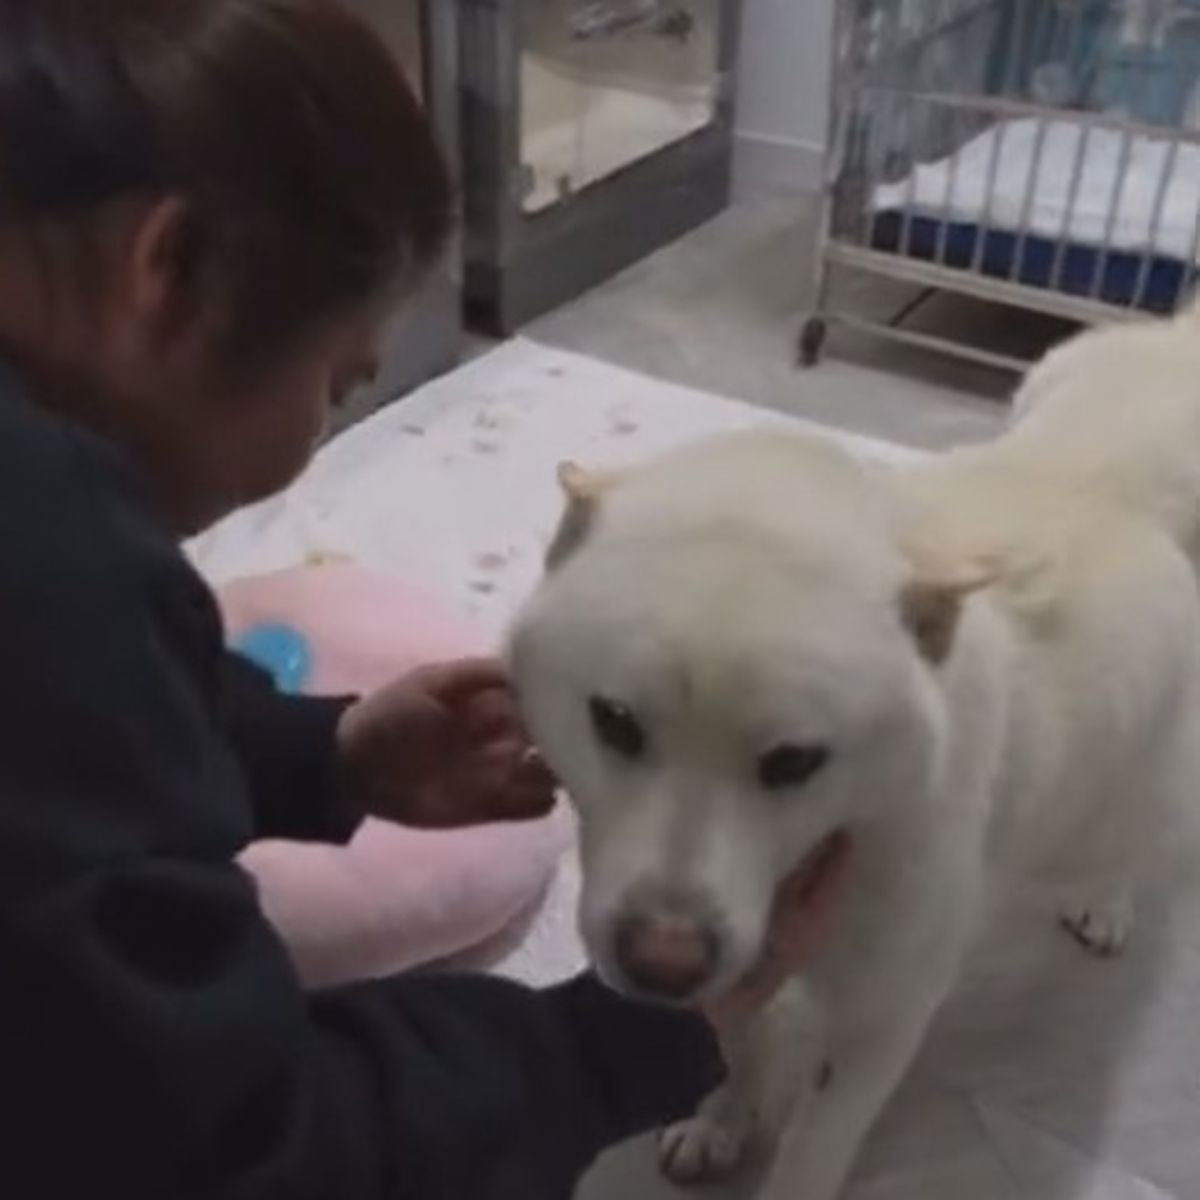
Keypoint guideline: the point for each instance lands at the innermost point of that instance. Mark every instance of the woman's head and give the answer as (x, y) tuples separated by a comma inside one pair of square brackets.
[(215, 200)]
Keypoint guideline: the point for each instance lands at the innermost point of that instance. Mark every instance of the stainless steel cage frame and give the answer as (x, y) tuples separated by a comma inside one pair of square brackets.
[(424, 336), (518, 265)]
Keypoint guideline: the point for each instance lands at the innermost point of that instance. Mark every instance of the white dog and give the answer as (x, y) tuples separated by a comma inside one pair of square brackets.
[(981, 665)]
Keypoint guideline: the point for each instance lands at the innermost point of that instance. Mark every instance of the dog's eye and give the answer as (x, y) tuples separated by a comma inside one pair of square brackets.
[(789, 766), (617, 728)]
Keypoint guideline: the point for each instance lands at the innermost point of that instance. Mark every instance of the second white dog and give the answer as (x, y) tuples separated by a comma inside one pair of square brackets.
[(982, 666)]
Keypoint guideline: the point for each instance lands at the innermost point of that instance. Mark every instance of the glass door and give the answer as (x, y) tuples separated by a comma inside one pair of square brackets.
[(605, 84)]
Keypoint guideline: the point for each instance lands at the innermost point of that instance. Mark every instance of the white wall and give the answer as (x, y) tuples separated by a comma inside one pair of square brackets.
[(783, 93)]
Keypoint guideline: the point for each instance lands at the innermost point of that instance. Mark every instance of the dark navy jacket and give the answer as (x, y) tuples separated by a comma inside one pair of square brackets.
[(155, 1042)]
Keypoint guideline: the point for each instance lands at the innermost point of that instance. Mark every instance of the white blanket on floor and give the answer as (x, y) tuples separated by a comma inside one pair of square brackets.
[(1050, 1075)]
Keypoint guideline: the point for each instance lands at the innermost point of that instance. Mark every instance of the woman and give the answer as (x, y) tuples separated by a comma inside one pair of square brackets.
[(205, 207)]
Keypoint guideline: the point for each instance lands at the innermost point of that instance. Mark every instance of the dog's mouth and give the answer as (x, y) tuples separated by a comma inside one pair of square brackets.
[(813, 883), (801, 911), (677, 953)]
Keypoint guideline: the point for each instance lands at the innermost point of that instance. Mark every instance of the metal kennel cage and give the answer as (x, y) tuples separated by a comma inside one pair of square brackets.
[(593, 132), (1040, 153)]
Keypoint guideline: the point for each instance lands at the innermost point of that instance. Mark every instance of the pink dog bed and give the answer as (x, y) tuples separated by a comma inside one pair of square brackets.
[(394, 898)]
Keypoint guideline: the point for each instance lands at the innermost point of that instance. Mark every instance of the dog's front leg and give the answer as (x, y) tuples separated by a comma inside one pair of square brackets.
[(779, 1049), (865, 1061)]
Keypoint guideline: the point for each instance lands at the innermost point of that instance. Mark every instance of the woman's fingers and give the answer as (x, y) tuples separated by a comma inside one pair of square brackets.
[(454, 682)]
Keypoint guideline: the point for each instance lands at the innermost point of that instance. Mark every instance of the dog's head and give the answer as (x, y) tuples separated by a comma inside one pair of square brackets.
[(728, 662)]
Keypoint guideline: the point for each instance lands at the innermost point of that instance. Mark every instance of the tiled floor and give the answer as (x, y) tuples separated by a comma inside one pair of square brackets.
[(721, 309), (1049, 1077)]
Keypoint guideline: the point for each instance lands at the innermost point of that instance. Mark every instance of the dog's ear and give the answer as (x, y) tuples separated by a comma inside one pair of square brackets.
[(931, 607), (583, 490)]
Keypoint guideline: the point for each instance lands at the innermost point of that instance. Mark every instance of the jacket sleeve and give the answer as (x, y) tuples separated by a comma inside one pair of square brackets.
[(156, 1044), (287, 747)]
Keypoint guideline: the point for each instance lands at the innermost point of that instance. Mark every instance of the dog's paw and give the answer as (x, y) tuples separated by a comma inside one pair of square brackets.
[(701, 1150), (1102, 928)]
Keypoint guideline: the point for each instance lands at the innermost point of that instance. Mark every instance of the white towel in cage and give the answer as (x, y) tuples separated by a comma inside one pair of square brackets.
[(1120, 181)]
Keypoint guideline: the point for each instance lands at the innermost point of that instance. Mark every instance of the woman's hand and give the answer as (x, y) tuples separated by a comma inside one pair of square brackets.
[(441, 748), (798, 926)]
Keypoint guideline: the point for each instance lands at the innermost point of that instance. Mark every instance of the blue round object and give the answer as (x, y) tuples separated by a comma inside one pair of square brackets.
[(281, 651)]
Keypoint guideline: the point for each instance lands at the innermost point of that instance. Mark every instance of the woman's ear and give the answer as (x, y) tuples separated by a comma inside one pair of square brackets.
[(157, 260)]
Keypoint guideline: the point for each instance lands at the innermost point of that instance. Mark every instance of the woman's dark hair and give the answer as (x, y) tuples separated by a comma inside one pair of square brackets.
[(311, 178)]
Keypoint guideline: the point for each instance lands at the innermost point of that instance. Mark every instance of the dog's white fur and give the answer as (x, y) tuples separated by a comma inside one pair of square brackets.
[(767, 588)]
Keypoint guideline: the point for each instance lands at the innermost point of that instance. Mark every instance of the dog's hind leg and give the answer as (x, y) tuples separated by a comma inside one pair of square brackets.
[(1126, 849), (1100, 920), (1099, 905), (1113, 861), (1132, 718)]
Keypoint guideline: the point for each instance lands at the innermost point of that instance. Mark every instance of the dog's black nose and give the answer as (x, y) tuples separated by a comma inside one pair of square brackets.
[(667, 954)]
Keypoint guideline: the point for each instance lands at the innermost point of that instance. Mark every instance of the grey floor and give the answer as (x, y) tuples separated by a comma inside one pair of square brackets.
[(721, 309)]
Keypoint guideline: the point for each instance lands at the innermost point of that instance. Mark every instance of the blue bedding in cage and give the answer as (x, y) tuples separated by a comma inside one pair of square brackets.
[(1115, 277), (1005, 201)]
